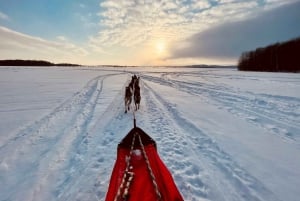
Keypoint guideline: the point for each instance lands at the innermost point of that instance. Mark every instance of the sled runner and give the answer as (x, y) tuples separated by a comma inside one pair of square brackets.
[(139, 174)]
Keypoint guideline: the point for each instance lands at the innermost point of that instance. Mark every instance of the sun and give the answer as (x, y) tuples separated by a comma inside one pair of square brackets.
[(160, 47)]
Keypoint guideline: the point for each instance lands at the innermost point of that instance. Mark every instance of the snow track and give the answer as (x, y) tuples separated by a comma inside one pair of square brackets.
[(220, 140), (53, 147), (185, 139), (268, 111)]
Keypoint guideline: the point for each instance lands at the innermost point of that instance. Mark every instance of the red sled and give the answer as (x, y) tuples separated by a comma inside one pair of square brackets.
[(139, 174)]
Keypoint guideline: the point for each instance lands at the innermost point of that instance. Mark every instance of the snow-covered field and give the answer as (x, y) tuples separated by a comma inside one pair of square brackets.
[(223, 134)]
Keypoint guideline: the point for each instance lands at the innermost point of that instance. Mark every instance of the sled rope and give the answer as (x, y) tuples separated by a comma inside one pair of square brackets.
[(127, 175), (153, 179), (150, 170), (133, 111), (134, 120)]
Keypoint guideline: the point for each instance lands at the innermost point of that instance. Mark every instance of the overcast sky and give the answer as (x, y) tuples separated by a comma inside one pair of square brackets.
[(143, 32)]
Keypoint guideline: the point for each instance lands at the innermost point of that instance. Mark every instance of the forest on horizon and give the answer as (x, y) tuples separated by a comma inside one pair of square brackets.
[(20, 62), (278, 57)]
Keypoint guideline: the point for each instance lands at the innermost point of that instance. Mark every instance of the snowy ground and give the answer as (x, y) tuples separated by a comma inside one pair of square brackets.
[(223, 134)]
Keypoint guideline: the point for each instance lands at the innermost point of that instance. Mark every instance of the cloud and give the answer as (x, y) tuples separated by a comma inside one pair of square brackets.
[(18, 45), (81, 5), (229, 40), (135, 25), (201, 4), (129, 23), (127, 28), (3, 16)]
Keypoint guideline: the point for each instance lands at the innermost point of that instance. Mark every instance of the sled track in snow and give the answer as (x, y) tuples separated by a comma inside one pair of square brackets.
[(236, 180), (172, 145), (55, 144), (258, 107), (72, 149), (242, 104), (102, 139), (39, 125)]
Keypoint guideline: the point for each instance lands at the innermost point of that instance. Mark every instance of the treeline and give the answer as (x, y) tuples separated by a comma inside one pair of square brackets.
[(279, 57), (19, 62), (206, 66)]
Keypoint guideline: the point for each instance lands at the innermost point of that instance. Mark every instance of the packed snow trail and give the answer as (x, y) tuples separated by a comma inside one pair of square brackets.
[(52, 148), (221, 141), (182, 140), (260, 109), (209, 99)]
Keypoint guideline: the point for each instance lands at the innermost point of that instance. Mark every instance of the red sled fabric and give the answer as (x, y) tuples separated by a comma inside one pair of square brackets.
[(141, 187)]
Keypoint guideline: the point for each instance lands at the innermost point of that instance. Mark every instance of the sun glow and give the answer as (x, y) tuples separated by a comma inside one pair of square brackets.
[(160, 47), (154, 52)]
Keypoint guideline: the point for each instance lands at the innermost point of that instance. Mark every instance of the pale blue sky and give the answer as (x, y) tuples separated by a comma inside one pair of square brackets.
[(51, 18), (143, 32)]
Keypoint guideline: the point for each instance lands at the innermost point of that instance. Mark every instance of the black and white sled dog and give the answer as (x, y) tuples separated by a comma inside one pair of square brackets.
[(133, 89), (137, 94), (128, 98)]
